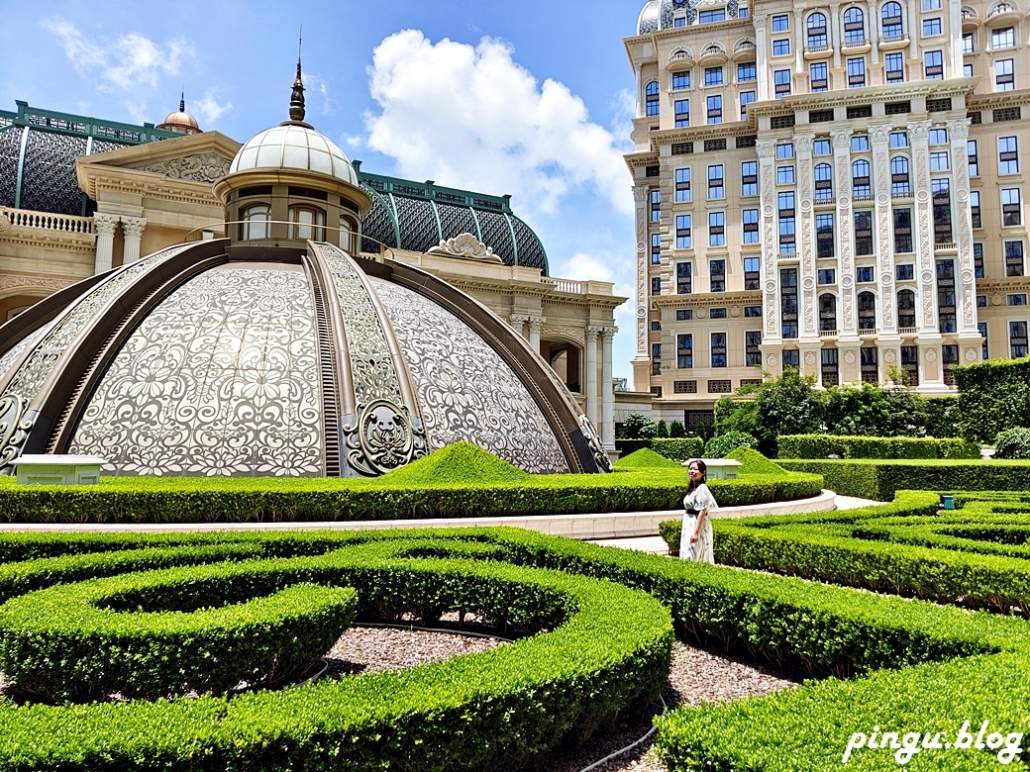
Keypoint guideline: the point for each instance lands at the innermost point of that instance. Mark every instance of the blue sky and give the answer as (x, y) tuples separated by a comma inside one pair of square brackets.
[(531, 98)]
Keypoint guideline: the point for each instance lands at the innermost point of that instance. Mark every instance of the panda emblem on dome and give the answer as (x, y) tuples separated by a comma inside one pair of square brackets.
[(383, 439)]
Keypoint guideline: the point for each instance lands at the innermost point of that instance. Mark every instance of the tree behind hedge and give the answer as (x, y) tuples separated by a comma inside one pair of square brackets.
[(993, 396)]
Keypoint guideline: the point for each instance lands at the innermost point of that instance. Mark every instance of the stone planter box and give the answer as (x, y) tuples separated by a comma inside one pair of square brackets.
[(53, 469)]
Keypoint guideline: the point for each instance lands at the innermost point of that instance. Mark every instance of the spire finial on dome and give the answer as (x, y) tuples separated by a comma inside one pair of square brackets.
[(297, 99), (182, 101)]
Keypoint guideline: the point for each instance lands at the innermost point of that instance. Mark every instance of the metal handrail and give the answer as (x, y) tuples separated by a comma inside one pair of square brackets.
[(384, 249)]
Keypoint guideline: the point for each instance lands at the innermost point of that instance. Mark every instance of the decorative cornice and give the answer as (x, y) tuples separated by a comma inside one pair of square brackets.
[(709, 299), (42, 284), (199, 167), (930, 89)]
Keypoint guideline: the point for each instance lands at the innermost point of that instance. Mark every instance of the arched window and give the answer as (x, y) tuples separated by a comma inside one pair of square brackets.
[(652, 93), (815, 26), (890, 18), (828, 311), (854, 26), (899, 174), (860, 178), (304, 221), (906, 308), (348, 235), (866, 311), (823, 182), (256, 222)]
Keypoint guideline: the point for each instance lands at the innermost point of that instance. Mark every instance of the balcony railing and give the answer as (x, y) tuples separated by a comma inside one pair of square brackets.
[(868, 332), (828, 333), (908, 331), (945, 246), (25, 218)]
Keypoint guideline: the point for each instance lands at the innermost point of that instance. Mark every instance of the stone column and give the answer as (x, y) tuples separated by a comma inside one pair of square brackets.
[(761, 57), (105, 225), (835, 39), (641, 362), (873, 28), (804, 219), (799, 41), (535, 323), (881, 171), (970, 342), (912, 28), (518, 323), (132, 227), (842, 170), (955, 33), (590, 373), (769, 276), (926, 294), (607, 390)]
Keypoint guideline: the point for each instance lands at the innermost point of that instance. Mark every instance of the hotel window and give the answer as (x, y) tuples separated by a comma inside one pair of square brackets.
[(895, 66), (949, 358), (684, 314), (823, 183), (863, 232), (824, 235), (982, 329), (257, 222), (903, 234), (827, 311), (978, 261), (656, 285), (788, 237), (746, 72), (941, 201), (789, 302), (1003, 38), (931, 27), (899, 175), (817, 77), (974, 161), (782, 80), (682, 113), (717, 275), (910, 363), (305, 223), (854, 27), (938, 136), (791, 359), (981, 301), (906, 308), (656, 206), (715, 109), (682, 186), (780, 23), (752, 312), (746, 98), (860, 143), (860, 177), (749, 178), (681, 80), (752, 348), (683, 231), (866, 311), (751, 273), (656, 249), (856, 72), (933, 65), (969, 43), (815, 28), (931, 5), (716, 229), (891, 20), (1011, 207), (679, 21), (1014, 258), (750, 218), (713, 76), (822, 147), (718, 349), (974, 208), (710, 17), (905, 272), (656, 359), (864, 274), (652, 98), (1004, 77), (784, 150), (684, 278), (828, 370), (939, 161), (1016, 299), (967, 71), (781, 47), (684, 351), (826, 276), (717, 313), (946, 296), (899, 139), (1008, 155), (785, 175), (716, 182)]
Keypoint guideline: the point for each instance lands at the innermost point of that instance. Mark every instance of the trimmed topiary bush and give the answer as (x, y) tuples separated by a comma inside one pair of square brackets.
[(826, 445), (645, 458), (1013, 443), (460, 462), (718, 447), (993, 396)]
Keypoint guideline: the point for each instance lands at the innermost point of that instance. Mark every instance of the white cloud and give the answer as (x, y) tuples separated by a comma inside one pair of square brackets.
[(317, 90), (129, 63), (471, 117), (208, 109)]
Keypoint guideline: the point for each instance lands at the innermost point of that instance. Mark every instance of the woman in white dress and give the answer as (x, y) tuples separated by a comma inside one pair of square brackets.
[(696, 542)]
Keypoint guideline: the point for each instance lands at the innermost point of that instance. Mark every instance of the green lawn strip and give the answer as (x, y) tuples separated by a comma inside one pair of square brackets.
[(466, 713), (880, 478)]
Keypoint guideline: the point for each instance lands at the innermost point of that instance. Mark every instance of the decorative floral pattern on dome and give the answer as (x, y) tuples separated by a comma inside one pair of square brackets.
[(466, 391), (221, 378)]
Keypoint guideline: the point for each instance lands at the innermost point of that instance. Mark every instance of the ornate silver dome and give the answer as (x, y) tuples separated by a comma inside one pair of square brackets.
[(215, 359), (294, 146)]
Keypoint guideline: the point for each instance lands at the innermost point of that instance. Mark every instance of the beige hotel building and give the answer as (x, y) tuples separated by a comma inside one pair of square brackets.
[(831, 186)]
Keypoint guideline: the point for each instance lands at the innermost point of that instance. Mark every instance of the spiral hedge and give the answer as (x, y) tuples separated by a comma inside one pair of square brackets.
[(588, 649)]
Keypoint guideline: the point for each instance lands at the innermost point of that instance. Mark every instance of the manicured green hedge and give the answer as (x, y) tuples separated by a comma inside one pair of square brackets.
[(821, 446), (674, 448), (881, 479), (993, 396), (80, 642)]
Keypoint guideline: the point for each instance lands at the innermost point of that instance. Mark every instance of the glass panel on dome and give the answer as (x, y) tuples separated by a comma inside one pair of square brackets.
[(268, 155), (321, 162), (248, 158), (295, 157), (273, 137)]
